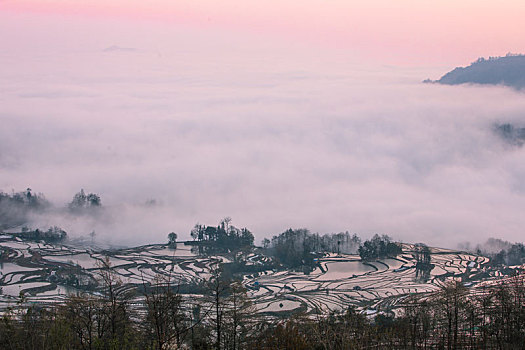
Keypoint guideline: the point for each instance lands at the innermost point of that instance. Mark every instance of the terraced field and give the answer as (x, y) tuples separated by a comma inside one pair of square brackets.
[(344, 280), (47, 273)]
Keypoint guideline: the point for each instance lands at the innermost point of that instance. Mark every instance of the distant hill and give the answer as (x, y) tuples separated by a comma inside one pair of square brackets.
[(508, 70), (512, 134)]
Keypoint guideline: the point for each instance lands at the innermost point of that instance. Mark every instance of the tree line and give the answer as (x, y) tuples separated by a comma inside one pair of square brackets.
[(163, 318), (300, 248), (52, 235), (222, 238), (453, 317), (15, 207)]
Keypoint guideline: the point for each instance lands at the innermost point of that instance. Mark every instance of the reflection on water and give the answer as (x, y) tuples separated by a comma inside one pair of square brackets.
[(344, 269)]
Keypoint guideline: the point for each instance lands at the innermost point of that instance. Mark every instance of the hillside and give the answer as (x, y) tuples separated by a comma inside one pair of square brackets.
[(47, 273), (508, 71), (406, 299)]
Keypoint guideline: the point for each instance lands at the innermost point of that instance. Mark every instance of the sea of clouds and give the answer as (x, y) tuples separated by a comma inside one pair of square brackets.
[(188, 131)]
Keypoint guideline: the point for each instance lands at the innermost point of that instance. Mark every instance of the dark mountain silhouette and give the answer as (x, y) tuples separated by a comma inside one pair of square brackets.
[(508, 70)]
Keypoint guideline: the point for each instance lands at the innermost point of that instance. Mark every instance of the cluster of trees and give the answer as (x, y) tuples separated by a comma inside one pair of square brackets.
[(422, 255), (514, 255), (340, 243), (379, 247), (451, 318), (221, 238), (15, 207), (172, 240), (165, 319), (53, 234), (15, 210), (82, 201), (495, 58), (502, 252), (299, 247), (293, 248), (423, 261)]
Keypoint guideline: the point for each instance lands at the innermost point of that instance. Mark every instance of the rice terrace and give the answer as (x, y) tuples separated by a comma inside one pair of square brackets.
[(48, 272)]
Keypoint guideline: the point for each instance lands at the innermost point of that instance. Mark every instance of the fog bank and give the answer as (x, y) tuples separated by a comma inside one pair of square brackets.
[(273, 141)]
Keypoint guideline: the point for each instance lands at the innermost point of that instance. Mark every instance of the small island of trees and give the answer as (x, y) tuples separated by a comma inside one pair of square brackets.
[(15, 207), (82, 201), (221, 238), (379, 247)]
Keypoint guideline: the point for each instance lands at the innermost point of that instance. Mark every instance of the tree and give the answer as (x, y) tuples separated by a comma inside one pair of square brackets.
[(239, 309), (218, 288), (114, 308), (223, 238), (451, 302), (172, 240), (417, 318), (379, 247), (93, 200), (423, 261), (422, 254), (166, 321), (85, 320), (16, 207), (82, 201), (293, 248)]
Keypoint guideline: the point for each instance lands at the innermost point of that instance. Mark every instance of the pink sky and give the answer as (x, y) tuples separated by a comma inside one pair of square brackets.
[(397, 32)]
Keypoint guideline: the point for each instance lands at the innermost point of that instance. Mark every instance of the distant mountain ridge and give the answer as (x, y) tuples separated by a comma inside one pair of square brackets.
[(508, 70)]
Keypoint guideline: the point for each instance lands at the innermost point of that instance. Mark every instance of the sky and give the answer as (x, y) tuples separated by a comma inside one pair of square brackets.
[(390, 32), (277, 114)]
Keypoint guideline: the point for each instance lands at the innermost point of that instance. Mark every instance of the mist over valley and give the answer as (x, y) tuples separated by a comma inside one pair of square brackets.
[(274, 142)]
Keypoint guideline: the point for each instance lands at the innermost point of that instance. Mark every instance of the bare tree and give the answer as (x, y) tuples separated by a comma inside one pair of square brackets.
[(219, 288), (114, 309), (165, 317), (239, 310)]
